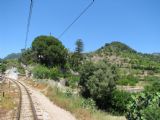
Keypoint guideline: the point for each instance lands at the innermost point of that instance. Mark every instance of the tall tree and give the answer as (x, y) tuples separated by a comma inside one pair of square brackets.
[(79, 46), (77, 56), (49, 51)]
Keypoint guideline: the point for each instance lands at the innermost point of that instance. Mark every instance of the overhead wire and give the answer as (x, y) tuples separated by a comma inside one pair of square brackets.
[(76, 19), (28, 23)]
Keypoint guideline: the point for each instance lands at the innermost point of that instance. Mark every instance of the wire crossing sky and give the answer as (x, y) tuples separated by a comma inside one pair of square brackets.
[(28, 22), (133, 22), (76, 19)]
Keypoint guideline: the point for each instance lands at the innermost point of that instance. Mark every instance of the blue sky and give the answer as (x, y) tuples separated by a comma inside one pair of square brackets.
[(134, 22)]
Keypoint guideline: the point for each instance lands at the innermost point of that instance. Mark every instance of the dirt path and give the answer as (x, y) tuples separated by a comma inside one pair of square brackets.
[(47, 109)]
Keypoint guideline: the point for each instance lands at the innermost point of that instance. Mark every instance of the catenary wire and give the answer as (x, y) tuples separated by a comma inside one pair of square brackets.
[(28, 22), (75, 20)]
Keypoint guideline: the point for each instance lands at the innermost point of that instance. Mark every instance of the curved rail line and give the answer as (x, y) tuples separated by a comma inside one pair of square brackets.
[(19, 112)]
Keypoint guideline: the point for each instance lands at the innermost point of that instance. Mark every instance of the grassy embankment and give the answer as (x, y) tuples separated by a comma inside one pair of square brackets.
[(8, 99), (82, 109)]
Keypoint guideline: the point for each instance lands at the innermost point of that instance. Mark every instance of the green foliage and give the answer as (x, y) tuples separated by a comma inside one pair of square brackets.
[(88, 104), (128, 80), (73, 81), (151, 78), (76, 58), (49, 51), (97, 81), (75, 61), (152, 113), (153, 87), (7, 64), (20, 69), (120, 100), (2, 67), (126, 57), (42, 72), (55, 73), (79, 46), (27, 57), (116, 47), (143, 107), (153, 84)]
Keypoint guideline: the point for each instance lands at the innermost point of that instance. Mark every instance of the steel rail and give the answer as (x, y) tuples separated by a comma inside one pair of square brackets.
[(20, 101)]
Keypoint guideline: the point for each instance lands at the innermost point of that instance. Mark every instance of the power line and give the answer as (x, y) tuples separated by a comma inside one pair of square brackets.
[(70, 25), (28, 22)]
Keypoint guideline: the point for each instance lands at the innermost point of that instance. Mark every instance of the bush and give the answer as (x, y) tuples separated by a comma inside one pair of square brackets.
[(144, 106), (152, 113), (2, 67), (120, 100), (41, 72), (88, 104), (21, 70), (97, 81), (55, 73), (73, 81)]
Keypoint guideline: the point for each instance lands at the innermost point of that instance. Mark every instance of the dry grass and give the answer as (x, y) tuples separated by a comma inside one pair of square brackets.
[(73, 104), (9, 101)]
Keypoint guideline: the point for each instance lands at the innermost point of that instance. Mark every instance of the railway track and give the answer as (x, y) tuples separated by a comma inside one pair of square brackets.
[(26, 109)]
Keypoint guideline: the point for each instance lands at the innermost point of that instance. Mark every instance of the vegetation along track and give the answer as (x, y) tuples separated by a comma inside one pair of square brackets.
[(26, 109)]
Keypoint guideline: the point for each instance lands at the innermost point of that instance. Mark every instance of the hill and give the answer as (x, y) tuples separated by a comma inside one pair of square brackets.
[(128, 60), (13, 56)]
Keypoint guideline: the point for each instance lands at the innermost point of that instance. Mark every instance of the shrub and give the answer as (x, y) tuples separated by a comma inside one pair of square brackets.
[(97, 81), (88, 104), (144, 106), (73, 81), (55, 73), (119, 101), (2, 67), (152, 113), (41, 72)]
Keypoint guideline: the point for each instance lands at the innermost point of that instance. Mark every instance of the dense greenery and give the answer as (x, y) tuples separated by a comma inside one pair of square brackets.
[(153, 84), (49, 51), (98, 73), (72, 81), (2, 67), (77, 57), (119, 101), (27, 57), (127, 57), (97, 81), (144, 106), (42, 72)]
